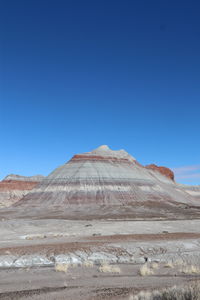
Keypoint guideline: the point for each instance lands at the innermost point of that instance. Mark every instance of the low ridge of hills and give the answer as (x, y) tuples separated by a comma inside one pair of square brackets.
[(13, 187)]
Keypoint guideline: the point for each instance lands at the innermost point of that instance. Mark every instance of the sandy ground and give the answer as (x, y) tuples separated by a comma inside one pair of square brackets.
[(18, 230), (84, 283), (173, 245)]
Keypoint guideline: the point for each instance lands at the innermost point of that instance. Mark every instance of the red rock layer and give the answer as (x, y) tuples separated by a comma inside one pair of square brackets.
[(17, 185), (163, 170), (79, 157)]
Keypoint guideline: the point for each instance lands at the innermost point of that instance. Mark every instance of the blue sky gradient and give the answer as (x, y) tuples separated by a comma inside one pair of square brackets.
[(78, 74)]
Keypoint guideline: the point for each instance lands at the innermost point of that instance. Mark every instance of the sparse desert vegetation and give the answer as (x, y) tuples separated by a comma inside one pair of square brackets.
[(33, 237), (106, 268), (80, 259), (190, 269), (188, 292), (88, 264), (155, 266), (145, 270), (169, 264), (61, 267), (183, 267)]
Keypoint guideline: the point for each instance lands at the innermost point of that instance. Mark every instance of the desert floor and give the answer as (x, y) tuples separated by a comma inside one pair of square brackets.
[(66, 259)]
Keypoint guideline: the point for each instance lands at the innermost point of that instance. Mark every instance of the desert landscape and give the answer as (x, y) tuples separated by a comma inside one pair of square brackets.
[(99, 150), (101, 226)]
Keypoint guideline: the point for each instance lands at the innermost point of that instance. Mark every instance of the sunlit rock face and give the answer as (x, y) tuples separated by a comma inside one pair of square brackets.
[(14, 187), (163, 170), (105, 178)]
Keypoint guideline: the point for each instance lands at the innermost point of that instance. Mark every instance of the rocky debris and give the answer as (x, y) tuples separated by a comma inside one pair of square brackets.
[(163, 170)]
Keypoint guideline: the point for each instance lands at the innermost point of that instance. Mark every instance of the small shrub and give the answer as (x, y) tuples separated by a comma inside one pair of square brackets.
[(179, 262), (191, 270), (109, 269), (141, 296), (169, 264), (155, 266), (61, 267), (34, 237), (188, 292), (88, 264), (145, 270)]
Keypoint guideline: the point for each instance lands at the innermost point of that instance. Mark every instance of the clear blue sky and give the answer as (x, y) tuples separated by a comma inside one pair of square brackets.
[(78, 74)]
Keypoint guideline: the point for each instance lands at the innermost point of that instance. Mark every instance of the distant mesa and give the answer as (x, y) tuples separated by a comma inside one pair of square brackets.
[(13, 187), (14, 177)]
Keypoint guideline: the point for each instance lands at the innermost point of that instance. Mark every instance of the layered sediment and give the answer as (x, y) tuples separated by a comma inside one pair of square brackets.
[(105, 178), (14, 187)]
